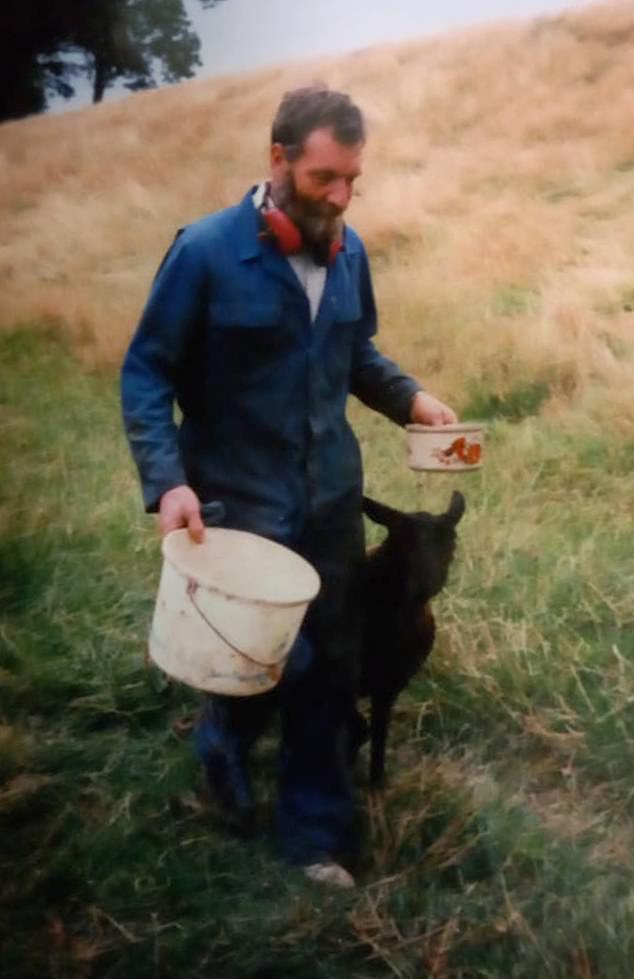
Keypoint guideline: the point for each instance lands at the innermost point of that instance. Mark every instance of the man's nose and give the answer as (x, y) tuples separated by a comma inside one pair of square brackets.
[(339, 194)]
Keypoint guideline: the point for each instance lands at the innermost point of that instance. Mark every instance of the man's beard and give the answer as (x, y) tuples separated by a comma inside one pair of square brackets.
[(319, 223)]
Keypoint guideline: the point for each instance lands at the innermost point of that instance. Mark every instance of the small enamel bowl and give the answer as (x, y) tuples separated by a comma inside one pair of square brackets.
[(445, 448)]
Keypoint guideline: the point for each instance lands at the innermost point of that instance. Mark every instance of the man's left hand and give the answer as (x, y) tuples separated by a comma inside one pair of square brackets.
[(428, 410)]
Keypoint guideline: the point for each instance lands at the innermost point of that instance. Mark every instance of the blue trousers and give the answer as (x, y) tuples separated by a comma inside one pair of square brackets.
[(316, 700)]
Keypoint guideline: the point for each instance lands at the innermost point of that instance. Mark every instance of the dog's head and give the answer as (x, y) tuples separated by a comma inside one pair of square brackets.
[(422, 543)]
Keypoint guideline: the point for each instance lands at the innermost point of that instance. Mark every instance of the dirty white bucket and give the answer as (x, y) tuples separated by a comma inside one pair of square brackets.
[(228, 610), (445, 448)]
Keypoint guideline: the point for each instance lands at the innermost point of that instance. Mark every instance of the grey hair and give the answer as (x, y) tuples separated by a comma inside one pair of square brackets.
[(303, 110)]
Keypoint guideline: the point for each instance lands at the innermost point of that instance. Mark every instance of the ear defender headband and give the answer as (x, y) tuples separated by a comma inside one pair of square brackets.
[(287, 234)]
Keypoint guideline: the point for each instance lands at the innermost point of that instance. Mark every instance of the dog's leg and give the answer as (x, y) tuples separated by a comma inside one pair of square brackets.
[(381, 709)]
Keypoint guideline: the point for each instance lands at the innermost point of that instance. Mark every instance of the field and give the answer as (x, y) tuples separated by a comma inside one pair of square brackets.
[(497, 208)]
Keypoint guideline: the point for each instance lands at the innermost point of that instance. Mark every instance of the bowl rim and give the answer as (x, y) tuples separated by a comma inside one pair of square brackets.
[(439, 429)]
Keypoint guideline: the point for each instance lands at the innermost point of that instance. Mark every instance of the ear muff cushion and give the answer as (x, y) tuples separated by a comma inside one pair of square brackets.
[(335, 248), (287, 234)]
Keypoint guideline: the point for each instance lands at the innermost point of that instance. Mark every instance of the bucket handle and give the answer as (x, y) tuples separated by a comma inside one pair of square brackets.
[(272, 669), (213, 513)]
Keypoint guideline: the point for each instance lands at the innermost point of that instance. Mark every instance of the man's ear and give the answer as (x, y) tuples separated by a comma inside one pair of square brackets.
[(278, 156)]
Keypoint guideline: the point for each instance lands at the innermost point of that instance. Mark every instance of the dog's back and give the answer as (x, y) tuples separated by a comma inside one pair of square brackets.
[(400, 577)]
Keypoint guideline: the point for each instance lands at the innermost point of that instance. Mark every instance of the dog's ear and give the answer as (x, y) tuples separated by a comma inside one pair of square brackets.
[(380, 513), (456, 507)]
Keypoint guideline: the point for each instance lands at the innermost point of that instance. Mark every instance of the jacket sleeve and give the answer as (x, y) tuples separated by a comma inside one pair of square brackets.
[(152, 363), (377, 381)]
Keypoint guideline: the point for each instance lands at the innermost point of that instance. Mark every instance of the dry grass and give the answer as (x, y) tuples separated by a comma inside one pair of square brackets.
[(495, 201)]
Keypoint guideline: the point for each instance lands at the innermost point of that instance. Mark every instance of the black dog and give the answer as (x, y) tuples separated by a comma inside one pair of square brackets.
[(398, 580)]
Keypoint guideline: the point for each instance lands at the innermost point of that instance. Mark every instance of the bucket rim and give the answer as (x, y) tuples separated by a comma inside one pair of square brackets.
[(219, 590)]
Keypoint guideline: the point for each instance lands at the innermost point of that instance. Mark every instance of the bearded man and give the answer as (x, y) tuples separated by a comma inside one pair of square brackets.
[(259, 324)]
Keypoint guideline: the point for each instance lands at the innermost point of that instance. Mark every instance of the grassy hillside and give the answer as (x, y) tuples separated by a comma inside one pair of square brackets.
[(503, 844), (496, 201), (497, 207)]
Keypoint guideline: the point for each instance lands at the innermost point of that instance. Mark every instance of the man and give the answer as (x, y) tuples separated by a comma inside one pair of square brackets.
[(259, 325)]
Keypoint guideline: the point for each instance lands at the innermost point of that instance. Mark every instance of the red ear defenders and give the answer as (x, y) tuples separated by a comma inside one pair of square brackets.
[(287, 234)]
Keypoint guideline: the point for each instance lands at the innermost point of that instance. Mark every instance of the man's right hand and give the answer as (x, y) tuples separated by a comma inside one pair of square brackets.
[(180, 507)]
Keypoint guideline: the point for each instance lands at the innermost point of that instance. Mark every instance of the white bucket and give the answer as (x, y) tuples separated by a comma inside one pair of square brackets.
[(228, 610), (445, 448)]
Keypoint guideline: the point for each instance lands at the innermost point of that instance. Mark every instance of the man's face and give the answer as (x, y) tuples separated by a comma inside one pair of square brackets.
[(315, 189)]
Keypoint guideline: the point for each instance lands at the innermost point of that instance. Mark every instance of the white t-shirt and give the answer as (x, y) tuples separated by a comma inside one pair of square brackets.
[(312, 277)]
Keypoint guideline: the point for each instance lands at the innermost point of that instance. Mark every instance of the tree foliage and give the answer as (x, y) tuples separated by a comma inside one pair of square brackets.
[(49, 44)]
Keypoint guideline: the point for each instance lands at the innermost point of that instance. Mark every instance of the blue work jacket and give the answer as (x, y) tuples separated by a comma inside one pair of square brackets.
[(227, 335)]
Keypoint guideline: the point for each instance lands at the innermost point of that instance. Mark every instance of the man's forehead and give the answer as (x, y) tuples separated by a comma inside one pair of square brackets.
[(322, 150)]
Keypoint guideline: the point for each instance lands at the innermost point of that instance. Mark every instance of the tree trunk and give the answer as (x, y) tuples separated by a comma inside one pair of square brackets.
[(100, 80)]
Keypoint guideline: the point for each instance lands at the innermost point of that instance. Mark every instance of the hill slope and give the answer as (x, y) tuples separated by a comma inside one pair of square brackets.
[(496, 201)]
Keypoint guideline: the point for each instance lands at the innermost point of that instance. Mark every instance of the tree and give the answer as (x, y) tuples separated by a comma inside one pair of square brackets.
[(132, 39), (49, 43), (32, 64)]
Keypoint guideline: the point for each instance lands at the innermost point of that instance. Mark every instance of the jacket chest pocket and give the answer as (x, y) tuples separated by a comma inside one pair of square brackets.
[(236, 315), (345, 309), (248, 340)]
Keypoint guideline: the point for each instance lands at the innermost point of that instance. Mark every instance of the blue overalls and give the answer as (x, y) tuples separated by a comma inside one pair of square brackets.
[(227, 334)]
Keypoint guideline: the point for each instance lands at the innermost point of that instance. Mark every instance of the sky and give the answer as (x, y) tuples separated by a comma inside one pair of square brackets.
[(239, 35), (242, 35)]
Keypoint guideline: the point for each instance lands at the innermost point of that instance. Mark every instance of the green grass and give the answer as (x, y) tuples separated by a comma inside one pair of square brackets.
[(502, 846), (521, 401)]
